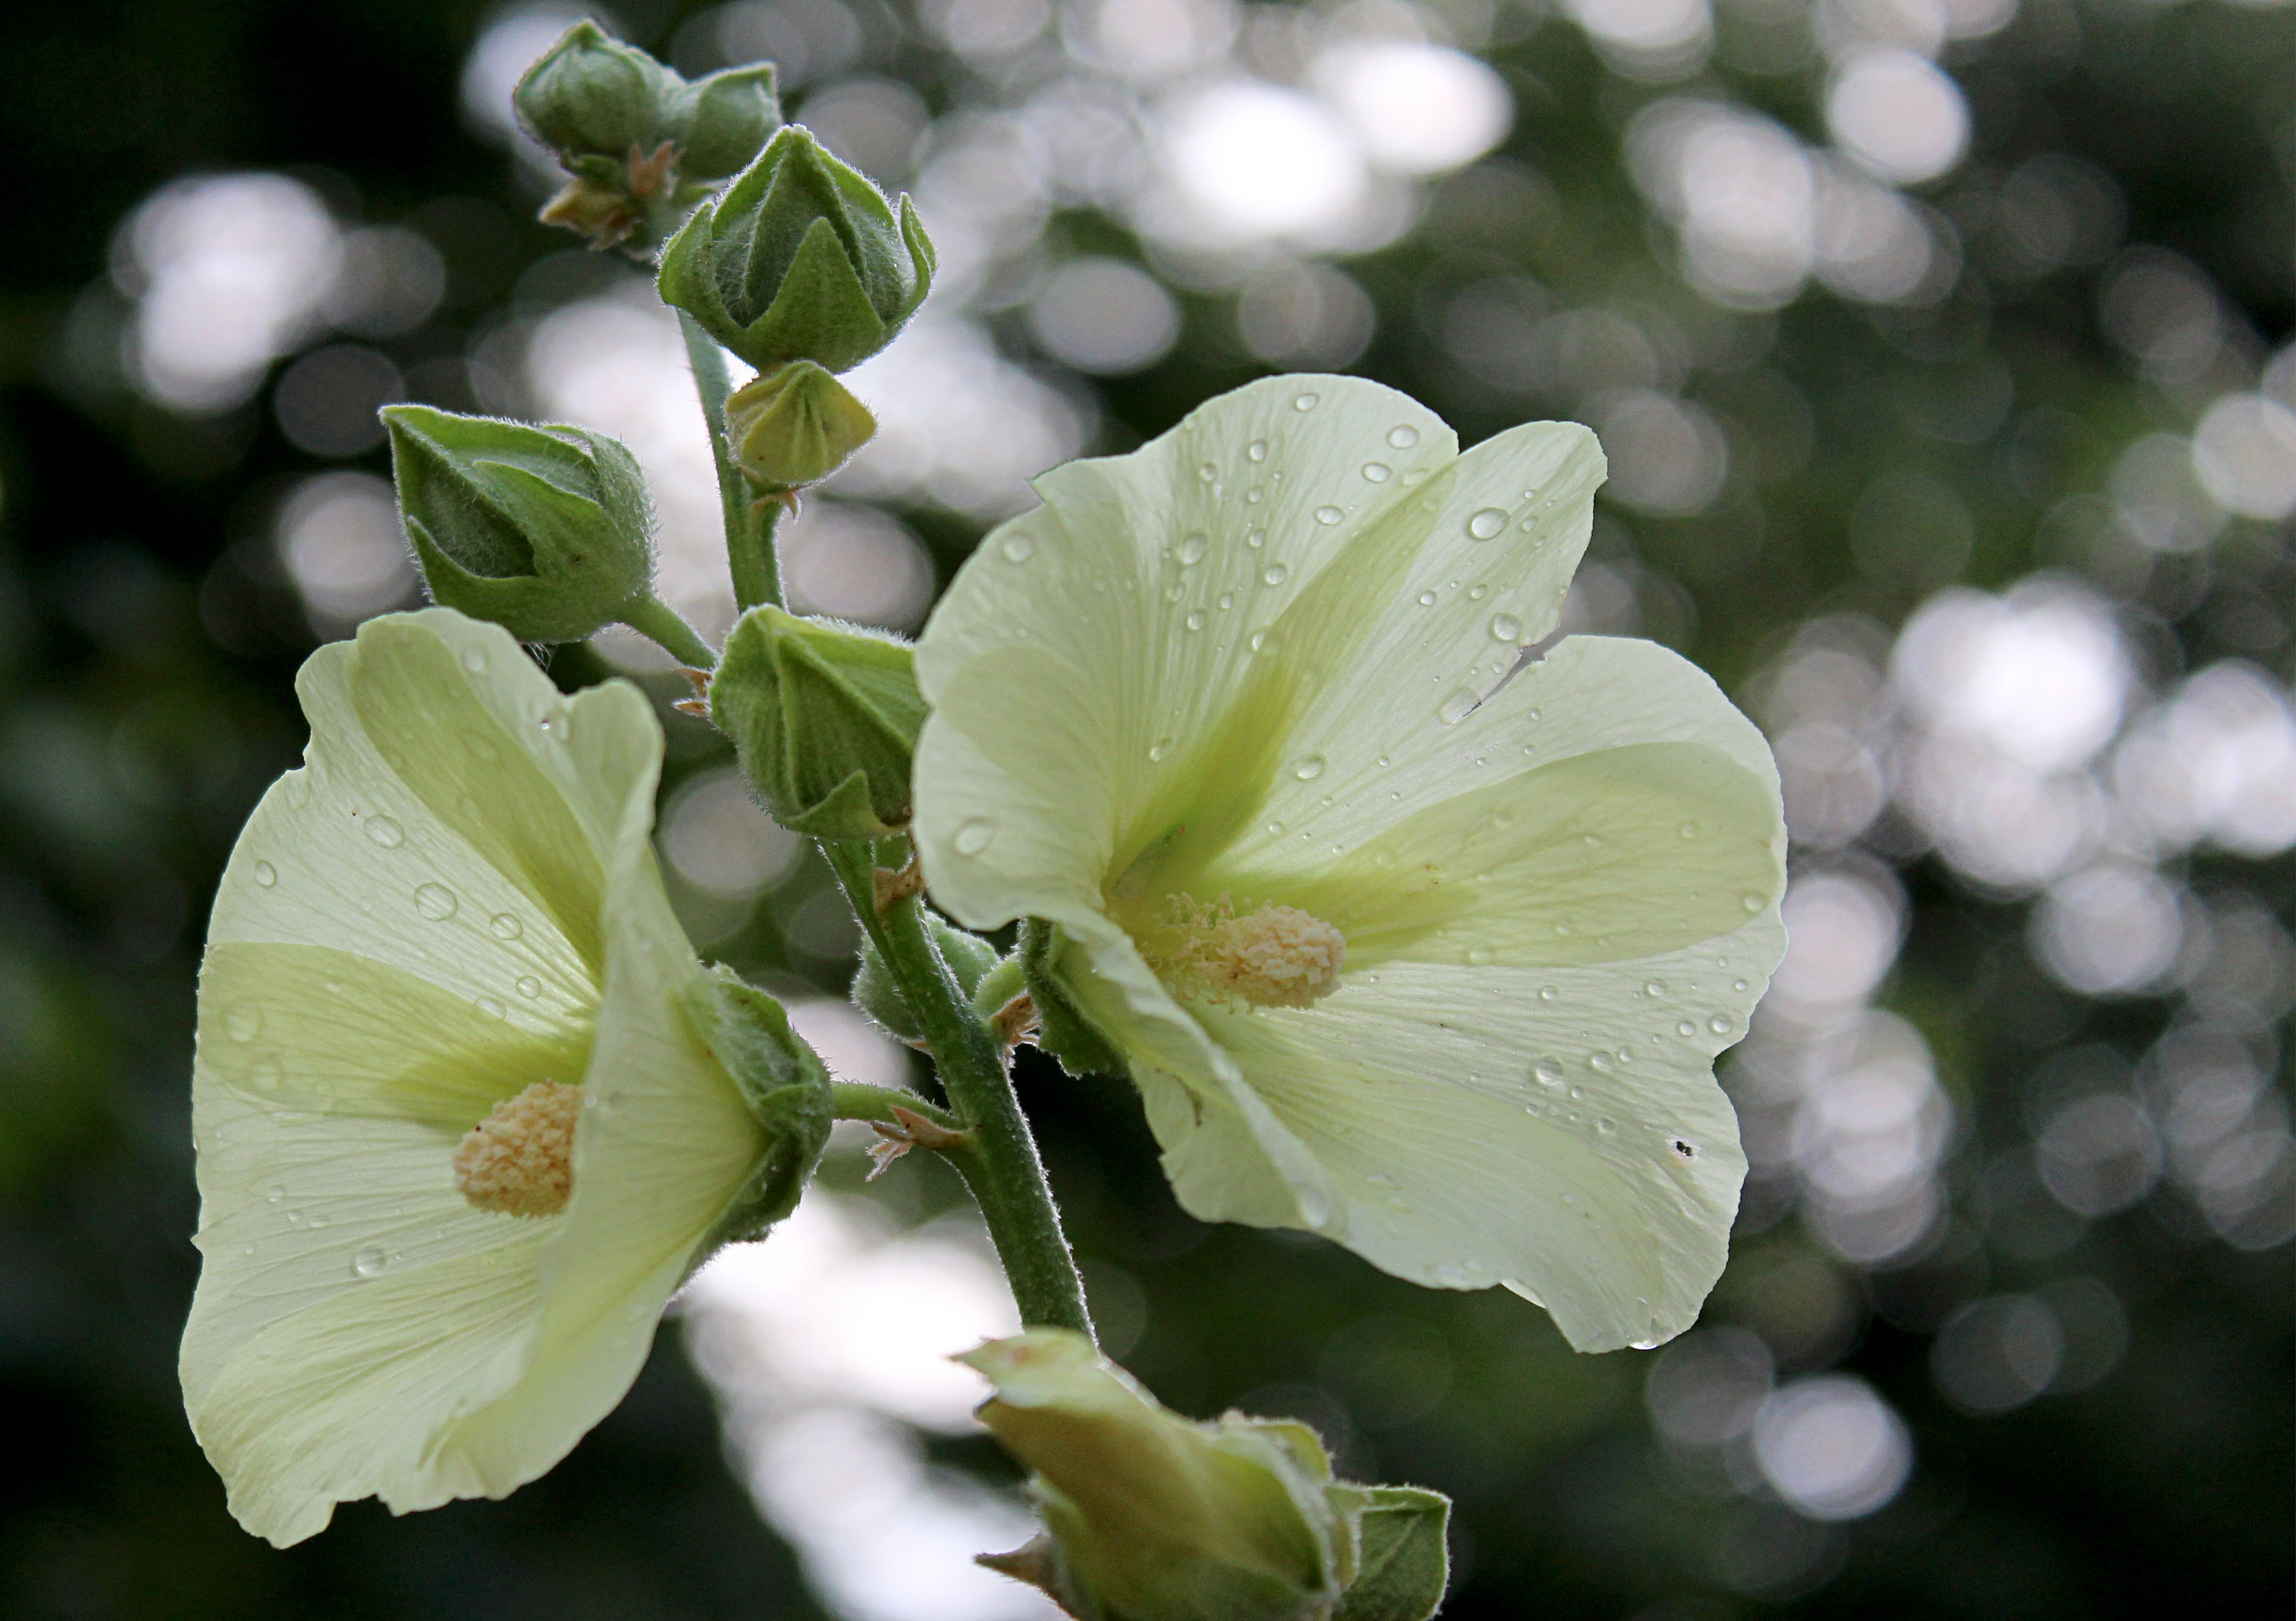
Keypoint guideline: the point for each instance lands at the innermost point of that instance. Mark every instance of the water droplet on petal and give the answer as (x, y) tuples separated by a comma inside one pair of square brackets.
[(1195, 619), (1481, 956), (436, 902), (474, 660), (1486, 524), (1738, 985), (1718, 1024), (493, 1007), (1328, 515), (1207, 472), (1403, 437), (243, 1021), (1017, 548), (1255, 538), (1506, 627), (1547, 1072), (1309, 769), (385, 832), (1377, 473), (1191, 551), (506, 927), (1427, 599), (265, 873), (1458, 706), (973, 836), (1307, 402), (1158, 750), (1688, 830), (369, 1264), (1275, 574), (1257, 450), (1686, 1027), (528, 986), (1752, 903), (1655, 987)]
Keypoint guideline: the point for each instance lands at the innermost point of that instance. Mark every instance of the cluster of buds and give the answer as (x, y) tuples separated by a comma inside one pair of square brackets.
[(639, 143)]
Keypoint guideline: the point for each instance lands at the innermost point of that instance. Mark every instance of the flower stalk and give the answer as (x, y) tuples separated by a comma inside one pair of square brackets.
[(750, 522), (999, 1164)]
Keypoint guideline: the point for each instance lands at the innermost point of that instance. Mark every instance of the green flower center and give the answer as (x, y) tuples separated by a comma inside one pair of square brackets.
[(520, 1159), (1276, 957)]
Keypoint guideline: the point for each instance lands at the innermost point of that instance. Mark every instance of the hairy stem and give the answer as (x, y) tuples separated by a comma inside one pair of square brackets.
[(999, 1165), (650, 616), (858, 1100), (749, 522)]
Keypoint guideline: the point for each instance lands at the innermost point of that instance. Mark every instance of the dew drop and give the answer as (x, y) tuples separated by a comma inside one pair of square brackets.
[(1195, 619), (1160, 748), (1255, 538), (1688, 830), (1307, 402), (1309, 769), (1738, 985), (1547, 993), (436, 902), (265, 873), (1752, 903), (1479, 594), (973, 836), (1191, 551), (1486, 524), (1547, 1072), (505, 926), (1605, 1125), (244, 1022), (1718, 1024), (1686, 1027), (474, 660), (1275, 574), (385, 832), (369, 1264), (1427, 599), (1655, 987), (1481, 956), (1017, 548), (1226, 600), (1257, 450), (1403, 437), (528, 986), (1207, 472), (294, 1218), (1377, 473), (1328, 515), (492, 1007), (1506, 627), (1258, 640), (1457, 707)]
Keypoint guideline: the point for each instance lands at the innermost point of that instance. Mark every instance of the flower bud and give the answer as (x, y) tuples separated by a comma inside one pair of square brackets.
[(783, 1080), (801, 259), (794, 425), (640, 143), (545, 531), (969, 959), (824, 718), (1151, 1518)]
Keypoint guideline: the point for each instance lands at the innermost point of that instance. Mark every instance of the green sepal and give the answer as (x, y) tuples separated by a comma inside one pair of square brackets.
[(801, 259), (1007, 979), (824, 720), (1403, 1563), (730, 115), (1063, 1028), (784, 1082), (590, 94), (548, 531), (970, 960), (793, 426)]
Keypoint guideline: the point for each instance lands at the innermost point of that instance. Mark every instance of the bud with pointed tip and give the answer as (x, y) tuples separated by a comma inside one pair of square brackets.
[(801, 259), (824, 718), (1151, 1518), (971, 960), (794, 425), (641, 144), (784, 1082), (547, 531)]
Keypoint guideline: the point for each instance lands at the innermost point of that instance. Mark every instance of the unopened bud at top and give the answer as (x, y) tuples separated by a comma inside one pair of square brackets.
[(640, 143), (801, 259), (545, 531), (784, 1082), (824, 719)]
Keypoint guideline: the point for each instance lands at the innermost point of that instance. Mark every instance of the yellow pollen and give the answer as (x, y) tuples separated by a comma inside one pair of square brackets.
[(520, 1159), (1276, 957)]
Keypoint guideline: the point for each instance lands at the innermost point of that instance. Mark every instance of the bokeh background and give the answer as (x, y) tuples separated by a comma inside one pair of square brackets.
[(1938, 347)]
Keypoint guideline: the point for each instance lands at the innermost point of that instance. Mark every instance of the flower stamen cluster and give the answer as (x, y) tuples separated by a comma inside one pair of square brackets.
[(520, 1159), (1276, 957)]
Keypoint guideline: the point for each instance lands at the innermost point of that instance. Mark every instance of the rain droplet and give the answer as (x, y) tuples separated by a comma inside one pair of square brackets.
[(1191, 551), (1427, 599), (436, 902), (1403, 437), (265, 873), (1686, 1027), (1158, 750), (973, 836), (1547, 1072), (1275, 574), (1195, 619), (1738, 985), (1547, 993), (385, 832), (294, 1218), (474, 660), (1257, 450), (1481, 956), (369, 1264), (1328, 515), (492, 1007), (1605, 1125), (243, 1021), (1258, 641), (1688, 830), (1506, 627), (1656, 987), (1307, 402), (1309, 769), (1718, 1024), (1018, 548), (528, 986), (1255, 538), (506, 927), (276, 1195), (1486, 524), (1377, 473), (1457, 707), (1207, 472), (1752, 903)]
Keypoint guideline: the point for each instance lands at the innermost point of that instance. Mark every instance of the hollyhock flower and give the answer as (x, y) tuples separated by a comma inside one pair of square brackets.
[(1411, 929), (457, 1139)]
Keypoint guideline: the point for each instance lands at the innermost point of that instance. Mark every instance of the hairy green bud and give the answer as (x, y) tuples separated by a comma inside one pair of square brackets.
[(801, 259), (640, 143), (547, 531), (877, 994), (824, 718), (784, 1082), (794, 425)]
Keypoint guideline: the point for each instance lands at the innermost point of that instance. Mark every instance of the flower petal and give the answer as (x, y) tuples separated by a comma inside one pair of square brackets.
[(1470, 1131), (1138, 589)]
